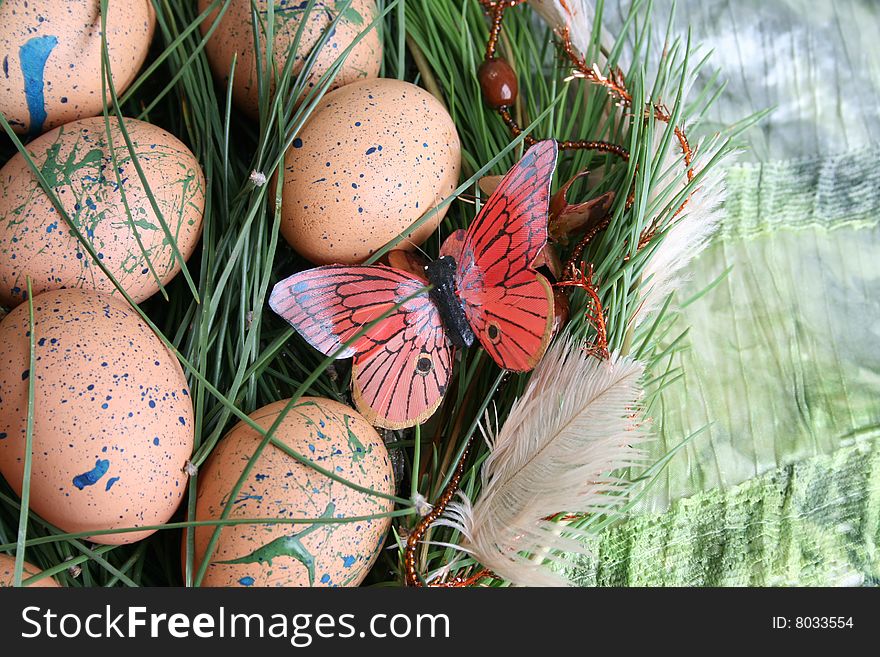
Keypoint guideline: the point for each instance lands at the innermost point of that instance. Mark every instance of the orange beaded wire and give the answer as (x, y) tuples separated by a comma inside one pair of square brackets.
[(418, 533), (583, 278)]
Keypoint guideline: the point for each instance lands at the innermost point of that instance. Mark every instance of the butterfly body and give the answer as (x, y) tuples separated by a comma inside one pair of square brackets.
[(402, 330), (441, 276)]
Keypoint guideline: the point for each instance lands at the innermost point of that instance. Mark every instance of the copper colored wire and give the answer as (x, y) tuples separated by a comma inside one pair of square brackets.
[(463, 582), (614, 83), (585, 241), (418, 533), (583, 279), (567, 145), (494, 29)]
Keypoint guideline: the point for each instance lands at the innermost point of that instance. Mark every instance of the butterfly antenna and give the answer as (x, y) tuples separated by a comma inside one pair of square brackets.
[(420, 249)]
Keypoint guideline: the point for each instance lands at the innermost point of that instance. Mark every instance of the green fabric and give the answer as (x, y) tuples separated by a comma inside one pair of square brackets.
[(815, 62), (783, 368), (812, 523), (834, 191), (783, 361)]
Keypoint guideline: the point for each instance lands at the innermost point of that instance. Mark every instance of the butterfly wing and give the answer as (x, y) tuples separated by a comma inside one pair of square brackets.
[(508, 304), (402, 380), (401, 363)]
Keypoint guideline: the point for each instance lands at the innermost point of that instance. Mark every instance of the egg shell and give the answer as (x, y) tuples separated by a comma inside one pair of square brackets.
[(7, 574), (113, 420), (51, 54), (374, 157), (77, 161), (234, 36), (329, 434)]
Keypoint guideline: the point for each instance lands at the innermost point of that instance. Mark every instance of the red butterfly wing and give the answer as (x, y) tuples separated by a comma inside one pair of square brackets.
[(508, 304), (401, 364), (401, 381)]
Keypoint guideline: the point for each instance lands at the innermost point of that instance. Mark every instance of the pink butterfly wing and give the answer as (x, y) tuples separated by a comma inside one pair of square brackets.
[(508, 304), (401, 381), (401, 364)]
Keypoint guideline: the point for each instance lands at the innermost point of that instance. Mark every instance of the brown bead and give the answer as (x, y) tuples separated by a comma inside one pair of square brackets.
[(498, 82)]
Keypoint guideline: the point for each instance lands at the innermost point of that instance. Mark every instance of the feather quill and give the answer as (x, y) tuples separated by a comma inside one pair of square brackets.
[(557, 452)]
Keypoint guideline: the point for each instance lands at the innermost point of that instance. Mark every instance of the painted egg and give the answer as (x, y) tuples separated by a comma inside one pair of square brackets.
[(374, 157), (7, 573), (330, 435), (77, 161), (52, 57), (234, 36), (113, 420)]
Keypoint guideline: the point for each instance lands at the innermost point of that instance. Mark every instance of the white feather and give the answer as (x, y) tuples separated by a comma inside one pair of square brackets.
[(685, 236), (576, 15), (564, 438)]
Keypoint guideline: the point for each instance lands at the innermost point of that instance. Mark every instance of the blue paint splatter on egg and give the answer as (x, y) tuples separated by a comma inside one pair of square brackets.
[(91, 477), (33, 56), (348, 561), (246, 581), (110, 482)]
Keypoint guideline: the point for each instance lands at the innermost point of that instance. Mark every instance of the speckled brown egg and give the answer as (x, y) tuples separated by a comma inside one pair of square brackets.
[(7, 573), (332, 436), (113, 420), (77, 160), (234, 36), (374, 157), (51, 55)]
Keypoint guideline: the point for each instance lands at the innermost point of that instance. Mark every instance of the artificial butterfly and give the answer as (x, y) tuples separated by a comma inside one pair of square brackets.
[(482, 286)]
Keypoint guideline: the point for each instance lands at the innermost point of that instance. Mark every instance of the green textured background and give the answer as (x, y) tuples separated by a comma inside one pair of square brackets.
[(816, 522), (782, 487)]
